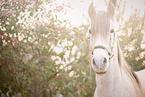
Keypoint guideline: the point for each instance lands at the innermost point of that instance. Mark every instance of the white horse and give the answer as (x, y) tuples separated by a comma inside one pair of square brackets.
[(114, 78)]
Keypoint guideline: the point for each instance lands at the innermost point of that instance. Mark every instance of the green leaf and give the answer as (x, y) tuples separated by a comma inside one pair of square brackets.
[(31, 14)]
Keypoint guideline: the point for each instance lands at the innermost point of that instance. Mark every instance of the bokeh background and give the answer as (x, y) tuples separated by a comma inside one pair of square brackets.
[(44, 45)]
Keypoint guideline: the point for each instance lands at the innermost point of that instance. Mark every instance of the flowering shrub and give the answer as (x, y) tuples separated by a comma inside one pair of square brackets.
[(40, 56), (132, 39)]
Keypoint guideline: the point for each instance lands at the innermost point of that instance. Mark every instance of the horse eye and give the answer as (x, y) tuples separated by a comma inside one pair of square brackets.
[(92, 53), (112, 31), (90, 31)]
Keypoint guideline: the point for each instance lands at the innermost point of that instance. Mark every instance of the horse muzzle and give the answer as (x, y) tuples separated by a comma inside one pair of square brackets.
[(100, 63)]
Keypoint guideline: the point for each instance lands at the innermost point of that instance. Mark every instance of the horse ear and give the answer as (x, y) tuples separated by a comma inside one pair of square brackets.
[(91, 10), (111, 9)]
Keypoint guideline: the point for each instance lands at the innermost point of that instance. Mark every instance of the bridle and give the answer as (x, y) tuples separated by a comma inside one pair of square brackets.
[(104, 48)]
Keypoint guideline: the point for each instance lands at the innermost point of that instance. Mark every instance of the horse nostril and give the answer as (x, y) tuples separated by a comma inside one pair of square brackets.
[(105, 61)]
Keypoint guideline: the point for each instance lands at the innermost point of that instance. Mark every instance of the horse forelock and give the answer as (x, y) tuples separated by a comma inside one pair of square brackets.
[(100, 25)]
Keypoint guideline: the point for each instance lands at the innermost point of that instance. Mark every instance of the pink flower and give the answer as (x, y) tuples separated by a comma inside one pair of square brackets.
[(21, 0), (79, 83), (9, 13), (50, 87), (19, 71), (83, 86), (47, 24), (50, 38), (14, 71), (68, 33), (85, 31), (3, 25), (25, 36), (0, 36), (62, 77), (59, 28), (133, 36), (4, 44), (11, 39), (60, 7), (4, 36), (36, 37), (16, 42), (39, 44), (90, 86)]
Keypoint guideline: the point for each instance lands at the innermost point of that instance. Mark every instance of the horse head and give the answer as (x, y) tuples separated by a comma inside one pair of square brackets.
[(102, 37)]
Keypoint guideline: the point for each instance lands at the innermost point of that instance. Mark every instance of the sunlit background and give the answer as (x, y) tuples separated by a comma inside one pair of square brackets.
[(77, 14), (77, 10)]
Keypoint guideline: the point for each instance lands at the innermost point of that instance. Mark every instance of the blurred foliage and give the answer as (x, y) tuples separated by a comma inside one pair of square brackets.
[(43, 56), (131, 36)]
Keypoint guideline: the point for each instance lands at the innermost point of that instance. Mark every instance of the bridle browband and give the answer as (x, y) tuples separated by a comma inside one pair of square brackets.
[(102, 47)]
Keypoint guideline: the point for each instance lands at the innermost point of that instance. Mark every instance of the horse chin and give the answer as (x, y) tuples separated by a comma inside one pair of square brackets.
[(103, 72), (100, 70)]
